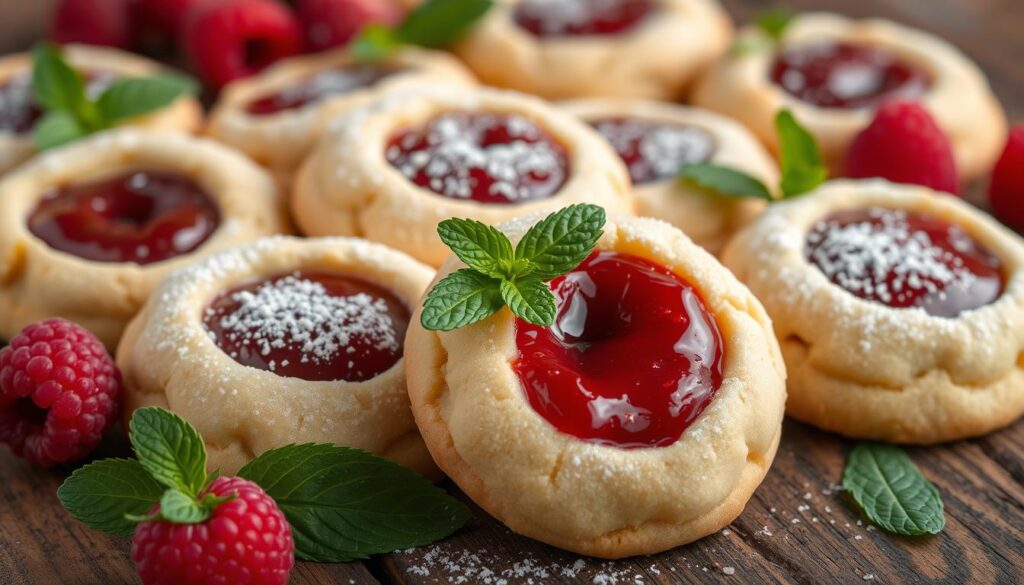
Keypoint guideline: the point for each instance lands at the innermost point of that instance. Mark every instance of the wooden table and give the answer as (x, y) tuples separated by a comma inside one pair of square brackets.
[(798, 528)]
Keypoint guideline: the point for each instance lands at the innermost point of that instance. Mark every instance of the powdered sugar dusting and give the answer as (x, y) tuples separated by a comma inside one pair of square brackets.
[(655, 150)]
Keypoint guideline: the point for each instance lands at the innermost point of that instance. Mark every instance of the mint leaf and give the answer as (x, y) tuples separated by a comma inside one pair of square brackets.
[(170, 449), (461, 298), (57, 128), (891, 490), (530, 299), (101, 494), (725, 181), (482, 247), (561, 241), (773, 23), (375, 42), (132, 97), (799, 157), (344, 504), (437, 23), (55, 84), (181, 508)]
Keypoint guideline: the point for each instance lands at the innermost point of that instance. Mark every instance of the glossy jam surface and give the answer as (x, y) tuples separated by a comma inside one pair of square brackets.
[(18, 110), (484, 157), (846, 75), (655, 151), (142, 217), (905, 259), (321, 86), (632, 360), (314, 326), (567, 18)]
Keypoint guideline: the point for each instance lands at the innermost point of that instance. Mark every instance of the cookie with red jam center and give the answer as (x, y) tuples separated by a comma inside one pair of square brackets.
[(315, 88), (310, 325), (493, 158), (574, 18), (655, 150), (905, 259), (842, 74), (140, 217), (632, 360)]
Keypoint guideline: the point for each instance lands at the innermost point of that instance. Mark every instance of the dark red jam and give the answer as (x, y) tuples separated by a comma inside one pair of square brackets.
[(632, 360), (314, 326), (905, 259), (844, 75), (142, 217), (18, 110), (655, 151), (567, 18), (483, 157), (320, 86)]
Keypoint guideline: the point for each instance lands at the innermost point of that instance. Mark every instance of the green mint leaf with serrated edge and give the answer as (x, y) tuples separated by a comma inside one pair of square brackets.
[(131, 97), (892, 491), (561, 241), (170, 449), (461, 298), (799, 158), (725, 181), (103, 493), (482, 247), (531, 299), (55, 84), (773, 23), (344, 504), (181, 508), (432, 24), (57, 128)]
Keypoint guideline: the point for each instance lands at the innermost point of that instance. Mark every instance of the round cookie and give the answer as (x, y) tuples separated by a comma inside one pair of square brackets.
[(68, 220), (901, 325), (657, 140), (911, 64), (650, 49), (250, 301), (277, 116), (390, 172), (17, 117), (590, 493)]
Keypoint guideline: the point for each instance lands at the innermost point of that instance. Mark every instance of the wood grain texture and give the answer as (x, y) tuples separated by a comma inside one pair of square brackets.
[(798, 528)]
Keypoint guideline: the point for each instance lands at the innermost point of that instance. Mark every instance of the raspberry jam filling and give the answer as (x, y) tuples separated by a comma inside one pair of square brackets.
[(314, 326), (905, 259), (846, 75), (141, 217), (320, 86), (489, 158), (632, 360), (655, 151), (567, 18)]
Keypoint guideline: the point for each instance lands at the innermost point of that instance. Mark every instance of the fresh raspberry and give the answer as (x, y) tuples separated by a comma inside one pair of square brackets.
[(232, 39), (1006, 192), (246, 540), (332, 23), (166, 17), (94, 22), (905, 145), (59, 392)]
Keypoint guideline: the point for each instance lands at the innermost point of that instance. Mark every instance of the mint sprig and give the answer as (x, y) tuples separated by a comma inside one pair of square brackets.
[(344, 504), (892, 491), (499, 276), (69, 112), (432, 24), (800, 163), (774, 22)]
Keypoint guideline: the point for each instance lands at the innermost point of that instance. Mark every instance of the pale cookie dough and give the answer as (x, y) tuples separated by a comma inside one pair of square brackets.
[(169, 359), (38, 282), (347, 186), (866, 370), (184, 115), (582, 496), (658, 58), (959, 96), (689, 135), (280, 141)]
